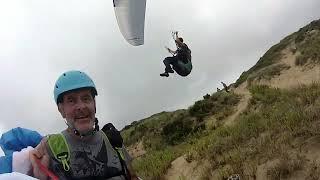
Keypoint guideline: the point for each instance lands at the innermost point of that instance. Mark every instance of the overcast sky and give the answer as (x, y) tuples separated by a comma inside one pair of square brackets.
[(40, 39)]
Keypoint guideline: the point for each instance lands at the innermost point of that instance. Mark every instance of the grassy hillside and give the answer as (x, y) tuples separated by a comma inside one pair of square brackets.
[(170, 134), (266, 139)]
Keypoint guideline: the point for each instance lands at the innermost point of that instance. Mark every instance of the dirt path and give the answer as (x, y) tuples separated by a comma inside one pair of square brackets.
[(181, 169), (241, 90)]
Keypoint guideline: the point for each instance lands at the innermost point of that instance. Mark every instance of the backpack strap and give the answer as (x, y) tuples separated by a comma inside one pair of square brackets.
[(113, 135), (60, 149), (119, 152)]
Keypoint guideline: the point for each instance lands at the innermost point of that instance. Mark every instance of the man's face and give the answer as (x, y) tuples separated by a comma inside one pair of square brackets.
[(78, 108)]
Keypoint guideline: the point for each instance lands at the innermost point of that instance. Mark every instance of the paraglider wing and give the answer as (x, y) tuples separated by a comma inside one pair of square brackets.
[(130, 16)]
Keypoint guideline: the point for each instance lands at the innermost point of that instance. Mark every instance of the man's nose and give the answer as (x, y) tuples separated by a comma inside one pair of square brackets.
[(80, 105)]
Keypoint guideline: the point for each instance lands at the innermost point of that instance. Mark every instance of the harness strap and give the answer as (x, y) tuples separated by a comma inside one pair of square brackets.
[(60, 149), (119, 152)]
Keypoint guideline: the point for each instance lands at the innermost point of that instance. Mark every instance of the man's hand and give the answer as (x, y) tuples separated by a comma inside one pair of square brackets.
[(170, 51), (39, 153)]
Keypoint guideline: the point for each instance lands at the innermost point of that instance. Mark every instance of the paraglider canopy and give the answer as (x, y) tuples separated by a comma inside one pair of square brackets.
[(130, 16)]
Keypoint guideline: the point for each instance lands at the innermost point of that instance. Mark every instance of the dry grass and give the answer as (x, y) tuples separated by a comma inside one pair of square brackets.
[(285, 167)]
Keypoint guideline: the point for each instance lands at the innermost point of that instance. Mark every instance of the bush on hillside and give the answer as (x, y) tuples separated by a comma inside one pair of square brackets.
[(175, 131), (219, 104)]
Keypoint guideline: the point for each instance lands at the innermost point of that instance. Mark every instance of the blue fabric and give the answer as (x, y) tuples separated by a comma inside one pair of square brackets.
[(5, 164), (17, 139)]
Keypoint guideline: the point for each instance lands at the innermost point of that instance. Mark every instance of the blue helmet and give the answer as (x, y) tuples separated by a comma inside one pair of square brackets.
[(72, 80)]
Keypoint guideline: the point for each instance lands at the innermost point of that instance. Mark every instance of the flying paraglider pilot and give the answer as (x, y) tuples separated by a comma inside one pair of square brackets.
[(180, 61)]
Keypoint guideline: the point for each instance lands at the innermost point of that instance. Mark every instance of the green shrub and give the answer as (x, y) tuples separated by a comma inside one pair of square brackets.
[(220, 104), (177, 130)]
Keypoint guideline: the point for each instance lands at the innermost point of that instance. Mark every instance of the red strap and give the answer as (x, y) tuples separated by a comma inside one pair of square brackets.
[(46, 171)]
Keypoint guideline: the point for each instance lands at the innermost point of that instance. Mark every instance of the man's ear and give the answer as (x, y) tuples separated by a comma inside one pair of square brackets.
[(61, 110)]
